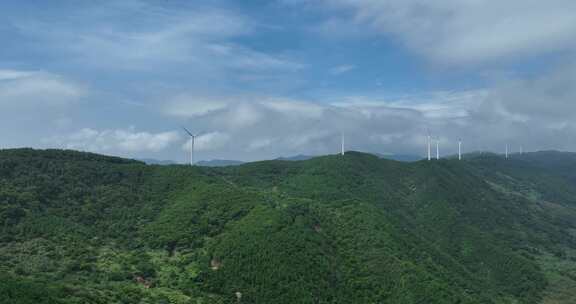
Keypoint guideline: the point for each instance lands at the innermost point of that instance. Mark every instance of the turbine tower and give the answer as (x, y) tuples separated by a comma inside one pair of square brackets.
[(506, 151), (521, 150), (192, 138), (342, 151), (437, 148), (459, 149), (429, 142)]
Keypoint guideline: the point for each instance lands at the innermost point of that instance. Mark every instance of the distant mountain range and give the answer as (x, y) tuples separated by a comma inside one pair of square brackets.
[(299, 157)]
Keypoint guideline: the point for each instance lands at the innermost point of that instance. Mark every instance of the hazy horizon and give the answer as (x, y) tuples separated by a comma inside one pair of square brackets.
[(186, 157)]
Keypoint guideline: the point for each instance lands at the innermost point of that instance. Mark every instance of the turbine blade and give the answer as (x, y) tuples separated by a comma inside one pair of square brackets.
[(189, 133)]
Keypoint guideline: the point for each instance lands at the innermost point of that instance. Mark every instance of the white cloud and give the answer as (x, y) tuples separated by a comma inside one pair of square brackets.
[(291, 107), (208, 142), (192, 36), (547, 98), (238, 57), (259, 144), (119, 141), (166, 36), (25, 89), (386, 139), (279, 125), (341, 69), (14, 74), (341, 28), (240, 110), (241, 116), (469, 31), (485, 118), (266, 127), (308, 139), (431, 105), (185, 105)]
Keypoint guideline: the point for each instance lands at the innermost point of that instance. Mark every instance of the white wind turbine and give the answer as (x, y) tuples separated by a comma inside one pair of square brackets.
[(428, 142), (437, 148), (459, 149), (192, 139), (342, 142)]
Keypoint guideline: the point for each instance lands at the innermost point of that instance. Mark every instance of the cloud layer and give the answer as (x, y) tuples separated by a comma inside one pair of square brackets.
[(140, 35), (119, 141), (267, 127), (35, 89), (288, 78), (466, 31)]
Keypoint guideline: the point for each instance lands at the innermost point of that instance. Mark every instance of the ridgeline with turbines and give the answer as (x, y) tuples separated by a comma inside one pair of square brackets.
[(86, 228)]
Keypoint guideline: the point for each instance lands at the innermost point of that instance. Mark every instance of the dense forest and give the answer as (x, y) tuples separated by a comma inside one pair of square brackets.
[(85, 228)]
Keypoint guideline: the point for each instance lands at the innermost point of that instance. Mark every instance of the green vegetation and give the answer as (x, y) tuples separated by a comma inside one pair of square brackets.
[(85, 228)]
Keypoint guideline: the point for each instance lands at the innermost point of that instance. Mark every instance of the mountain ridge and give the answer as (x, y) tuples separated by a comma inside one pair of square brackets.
[(331, 229)]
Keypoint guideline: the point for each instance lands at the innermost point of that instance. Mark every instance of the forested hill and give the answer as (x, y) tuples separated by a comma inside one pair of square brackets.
[(84, 228)]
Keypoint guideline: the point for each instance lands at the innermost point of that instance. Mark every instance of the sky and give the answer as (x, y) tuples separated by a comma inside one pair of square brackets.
[(263, 79)]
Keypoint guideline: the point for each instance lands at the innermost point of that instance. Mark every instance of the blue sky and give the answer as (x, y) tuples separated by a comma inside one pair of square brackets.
[(262, 79)]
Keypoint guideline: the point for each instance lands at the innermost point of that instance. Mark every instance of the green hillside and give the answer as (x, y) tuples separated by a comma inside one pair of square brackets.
[(85, 228)]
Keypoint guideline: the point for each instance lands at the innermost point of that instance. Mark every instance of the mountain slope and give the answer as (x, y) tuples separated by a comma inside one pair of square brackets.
[(332, 229), (219, 163)]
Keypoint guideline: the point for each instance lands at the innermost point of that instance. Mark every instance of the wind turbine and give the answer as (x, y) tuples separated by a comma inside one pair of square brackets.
[(342, 152), (192, 139), (428, 142), (437, 148), (506, 151), (459, 149), (521, 150)]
